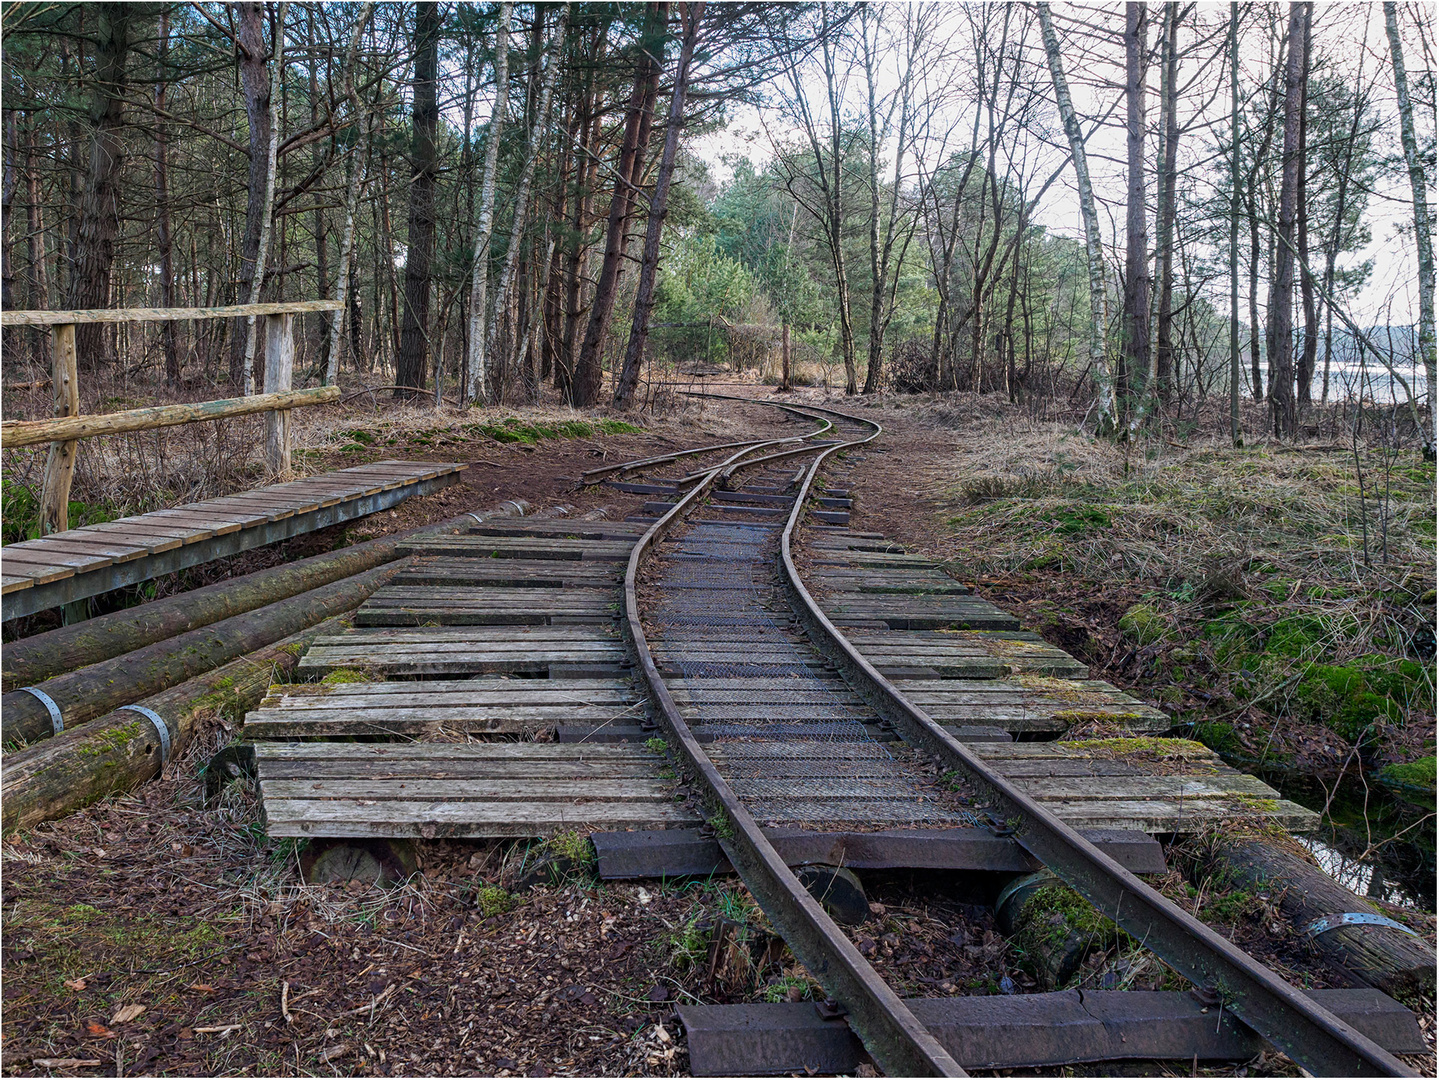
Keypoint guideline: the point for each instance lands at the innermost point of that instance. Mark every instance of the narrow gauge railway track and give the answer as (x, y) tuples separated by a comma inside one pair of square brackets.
[(694, 660)]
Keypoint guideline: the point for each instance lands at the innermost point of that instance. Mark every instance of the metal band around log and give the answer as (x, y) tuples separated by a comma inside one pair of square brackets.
[(162, 729), (1354, 918), (57, 721)]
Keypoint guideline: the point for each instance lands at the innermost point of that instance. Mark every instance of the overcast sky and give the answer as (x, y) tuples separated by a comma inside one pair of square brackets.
[(1351, 36)]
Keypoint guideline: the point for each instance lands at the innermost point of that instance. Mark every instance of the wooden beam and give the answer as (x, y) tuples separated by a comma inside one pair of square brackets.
[(109, 315), (60, 465), (16, 433), (279, 371)]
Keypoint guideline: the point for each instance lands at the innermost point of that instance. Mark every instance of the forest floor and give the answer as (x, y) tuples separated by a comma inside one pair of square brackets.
[(149, 935)]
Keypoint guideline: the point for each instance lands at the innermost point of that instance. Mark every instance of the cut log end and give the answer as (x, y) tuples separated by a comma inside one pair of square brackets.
[(383, 861)]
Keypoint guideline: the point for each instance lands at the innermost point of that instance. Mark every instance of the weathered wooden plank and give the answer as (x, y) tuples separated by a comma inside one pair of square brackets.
[(521, 547), (461, 769), (114, 315), (1155, 815), (1099, 788), (16, 433), (10, 583), (499, 691), (135, 528), (151, 541), (38, 573), (471, 789), (508, 573), (617, 530), (447, 752), (285, 817), (1171, 749), (59, 557), (222, 522)]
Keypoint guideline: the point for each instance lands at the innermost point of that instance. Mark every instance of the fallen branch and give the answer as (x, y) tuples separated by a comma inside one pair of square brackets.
[(375, 389)]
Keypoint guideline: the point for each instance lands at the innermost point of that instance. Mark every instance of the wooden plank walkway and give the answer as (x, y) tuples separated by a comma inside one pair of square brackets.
[(537, 789), (88, 561), (509, 631)]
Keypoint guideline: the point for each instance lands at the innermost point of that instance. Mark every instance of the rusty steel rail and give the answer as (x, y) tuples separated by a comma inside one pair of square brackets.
[(1311, 1035), (661, 459), (897, 1040)]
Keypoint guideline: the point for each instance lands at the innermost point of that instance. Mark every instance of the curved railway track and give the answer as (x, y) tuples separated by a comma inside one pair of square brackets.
[(692, 659)]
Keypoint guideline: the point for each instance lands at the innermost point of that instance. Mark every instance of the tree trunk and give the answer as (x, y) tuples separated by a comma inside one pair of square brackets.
[(522, 196), (1234, 209), (1164, 359), (322, 245), (1306, 280), (1381, 956), (577, 257), (39, 283), (122, 749), (476, 387), (11, 184), (629, 170), (99, 221), (1093, 242), (346, 288), (1255, 373), (691, 15), (55, 652), (410, 365), (94, 690), (1281, 289), (1422, 234), (163, 240), (1331, 255), (255, 86), (1135, 336)]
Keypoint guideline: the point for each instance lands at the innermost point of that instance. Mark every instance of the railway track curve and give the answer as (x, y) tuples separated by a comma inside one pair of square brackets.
[(720, 564)]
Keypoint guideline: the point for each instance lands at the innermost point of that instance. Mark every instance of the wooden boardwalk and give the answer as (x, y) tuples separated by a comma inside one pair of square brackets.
[(66, 566), (511, 632)]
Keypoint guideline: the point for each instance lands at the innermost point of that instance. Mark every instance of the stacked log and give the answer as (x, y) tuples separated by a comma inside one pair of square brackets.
[(92, 667), (1349, 932), (94, 690), (124, 748)]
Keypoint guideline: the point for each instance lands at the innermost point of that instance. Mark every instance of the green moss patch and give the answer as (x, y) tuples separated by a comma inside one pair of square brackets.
[(1413, 780), (1144, 625), (493, 900), (1348, 698), (346, 675)]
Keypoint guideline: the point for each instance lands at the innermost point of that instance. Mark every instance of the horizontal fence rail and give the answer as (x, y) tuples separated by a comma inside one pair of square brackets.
[(64, 431), (18, 433), (117, 315)]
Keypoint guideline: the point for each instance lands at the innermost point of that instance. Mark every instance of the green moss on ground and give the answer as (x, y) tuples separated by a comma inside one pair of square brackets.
[(1412, 781), (575, 847), (1144, 625), (1053, 918), (1349, 698), (493, 900)]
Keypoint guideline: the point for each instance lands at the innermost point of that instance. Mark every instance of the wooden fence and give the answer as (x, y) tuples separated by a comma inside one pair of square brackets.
[(68, 426)]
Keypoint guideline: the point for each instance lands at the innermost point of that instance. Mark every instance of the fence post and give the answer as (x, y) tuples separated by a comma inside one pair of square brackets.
[(279, 373), (60, 465)]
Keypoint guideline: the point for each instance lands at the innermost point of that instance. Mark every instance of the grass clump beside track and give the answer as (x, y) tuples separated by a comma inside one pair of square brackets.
[(1254, 594)]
